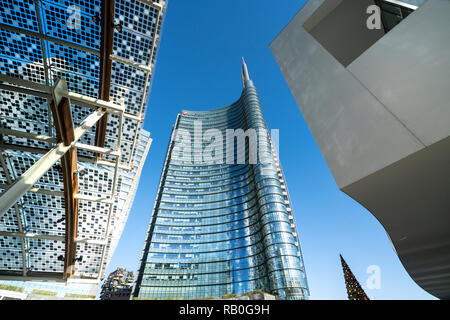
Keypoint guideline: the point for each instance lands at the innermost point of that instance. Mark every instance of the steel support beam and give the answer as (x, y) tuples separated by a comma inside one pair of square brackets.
[(62, 118), (61, 194), (113, 192), (43, 138), (92, 102), (34, 150), (18, 217), (93, 199), (25, 91), (39, 190), (153, 4), (29, 235), (40, 167), (88, 147), (106, 43), (27, 135), (47, 91), (27, 84), (130, 63), (106, 163), (133, 117)]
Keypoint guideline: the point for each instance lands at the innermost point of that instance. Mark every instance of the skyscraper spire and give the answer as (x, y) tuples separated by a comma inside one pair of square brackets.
[(354, 289), (245, 75)]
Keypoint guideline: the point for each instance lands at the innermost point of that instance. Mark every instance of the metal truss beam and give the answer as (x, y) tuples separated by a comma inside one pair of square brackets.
[(106, 163), (43, 138), (108, 106), (106, 43), (113, 192), (61, 194), (40, 167), (112, 108), (133, 117), (130, 63), (41, 88), (27, 135), (95, 149), (62, 118), (34, 150), (39, 191), (154, 4), (47, 91), (29, 235), (25, 91), (93, 199), (18, 217)]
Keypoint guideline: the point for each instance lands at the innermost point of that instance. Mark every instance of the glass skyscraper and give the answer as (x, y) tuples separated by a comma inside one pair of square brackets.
[(217, 227)]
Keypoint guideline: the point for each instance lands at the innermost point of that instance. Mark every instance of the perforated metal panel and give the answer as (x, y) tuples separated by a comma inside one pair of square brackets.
[(42, 41)]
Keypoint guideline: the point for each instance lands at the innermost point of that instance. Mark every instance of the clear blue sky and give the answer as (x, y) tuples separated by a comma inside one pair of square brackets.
[(199, 67)]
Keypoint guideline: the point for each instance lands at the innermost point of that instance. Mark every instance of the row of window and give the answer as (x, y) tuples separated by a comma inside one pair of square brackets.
[(268, 250)]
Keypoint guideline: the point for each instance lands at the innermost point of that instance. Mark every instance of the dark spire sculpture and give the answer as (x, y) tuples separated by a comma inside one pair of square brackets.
[(354, 289)]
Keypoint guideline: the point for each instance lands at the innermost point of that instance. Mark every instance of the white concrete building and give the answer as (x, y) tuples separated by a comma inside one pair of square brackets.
[(377, 102)]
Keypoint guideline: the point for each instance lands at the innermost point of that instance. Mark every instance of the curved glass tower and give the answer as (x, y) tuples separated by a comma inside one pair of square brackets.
[(222, 226)]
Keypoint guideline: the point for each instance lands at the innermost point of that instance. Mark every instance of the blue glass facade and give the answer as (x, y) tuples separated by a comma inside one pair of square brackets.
[(220, 228)]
